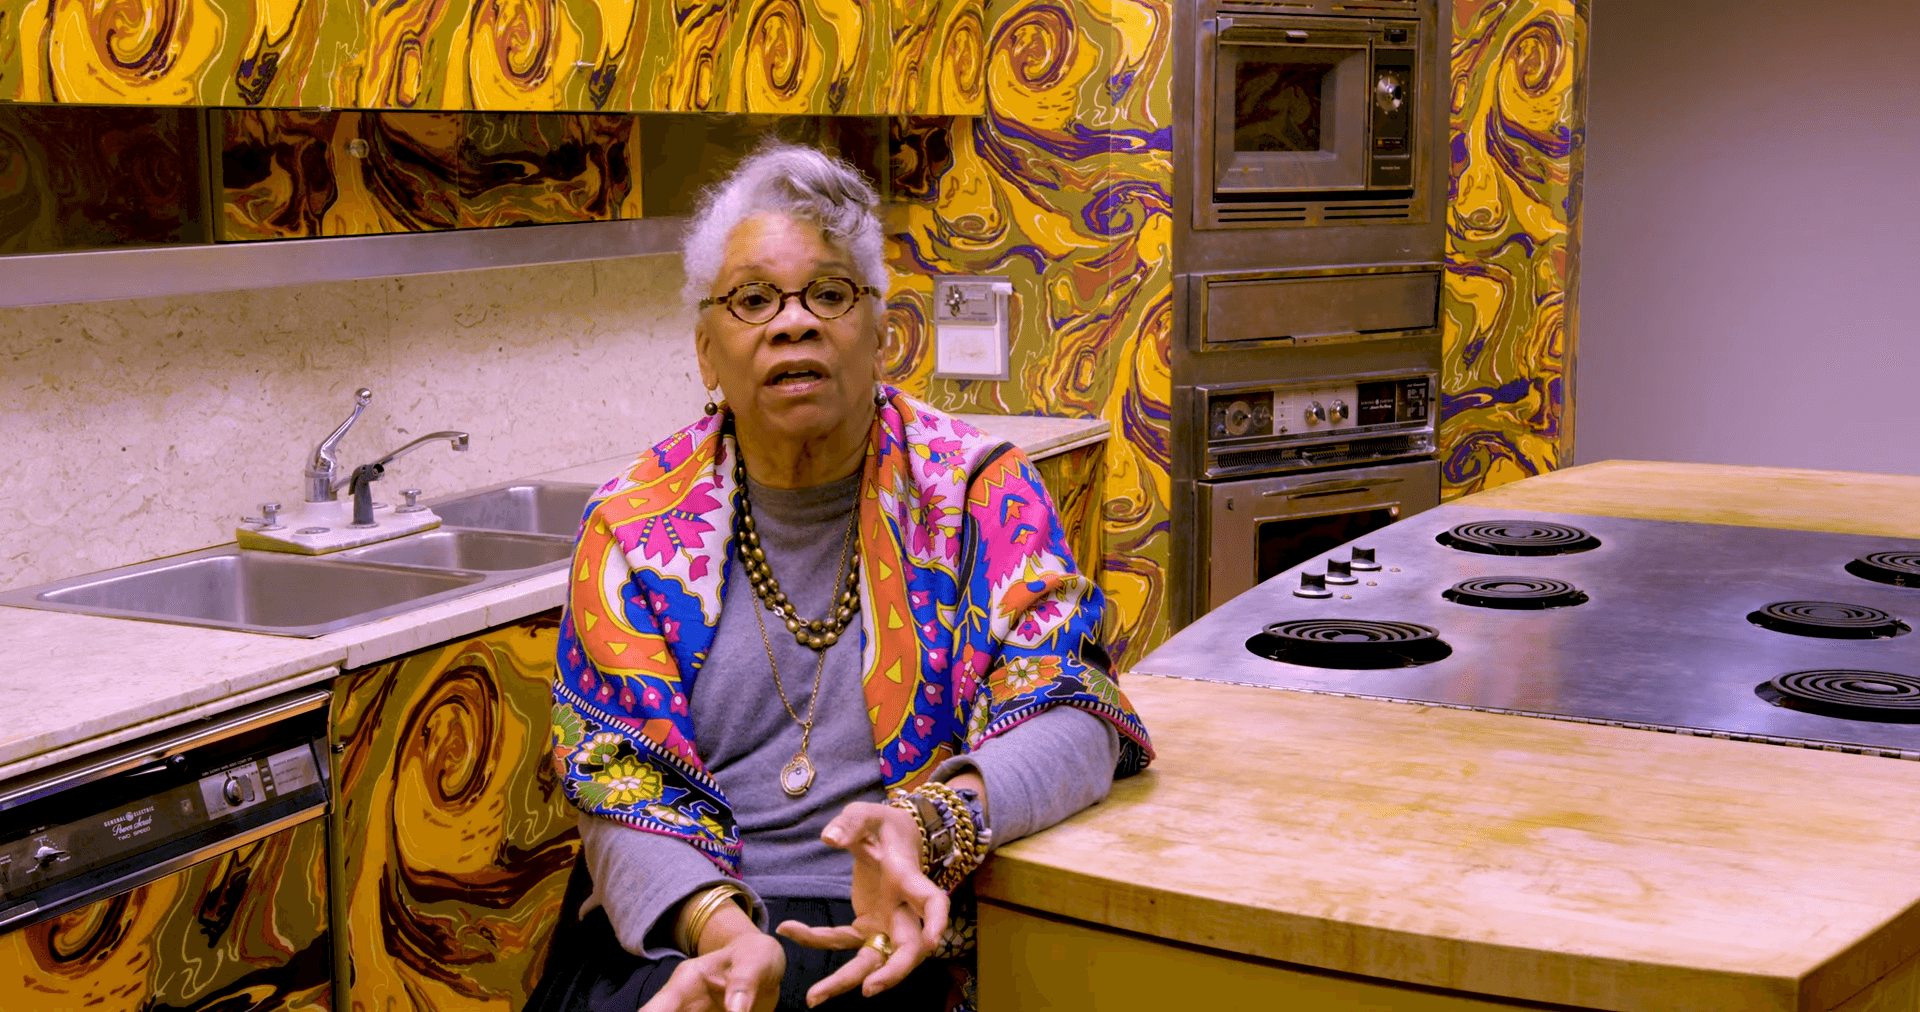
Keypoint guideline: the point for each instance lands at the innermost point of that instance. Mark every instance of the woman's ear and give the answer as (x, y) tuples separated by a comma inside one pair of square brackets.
[(708, 377)]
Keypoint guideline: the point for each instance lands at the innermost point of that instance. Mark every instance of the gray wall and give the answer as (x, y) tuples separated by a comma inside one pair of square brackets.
[(1748, 274)]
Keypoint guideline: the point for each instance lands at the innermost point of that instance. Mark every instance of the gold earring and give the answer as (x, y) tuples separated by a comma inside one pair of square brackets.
[(712, 408)]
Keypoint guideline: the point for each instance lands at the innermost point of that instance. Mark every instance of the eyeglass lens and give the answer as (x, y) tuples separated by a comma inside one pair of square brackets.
[(826, 298)]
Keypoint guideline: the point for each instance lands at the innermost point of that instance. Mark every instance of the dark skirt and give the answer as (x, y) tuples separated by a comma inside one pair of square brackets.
[(588, 971)]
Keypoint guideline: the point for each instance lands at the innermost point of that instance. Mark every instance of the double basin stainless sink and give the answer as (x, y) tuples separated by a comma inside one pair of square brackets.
[(486, 538)]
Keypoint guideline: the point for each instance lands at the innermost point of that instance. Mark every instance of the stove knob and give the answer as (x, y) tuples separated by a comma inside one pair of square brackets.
[(1337, 410), (1340, 572), (1239, 418), (231, 791), (1363, 561), (1315, 413), (46, 854), (1313, 585)]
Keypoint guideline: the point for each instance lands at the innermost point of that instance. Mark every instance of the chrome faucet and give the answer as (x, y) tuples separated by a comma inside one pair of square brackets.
[(360, 482), (320, 471)]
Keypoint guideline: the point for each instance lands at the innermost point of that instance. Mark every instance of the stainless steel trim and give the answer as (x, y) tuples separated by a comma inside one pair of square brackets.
[(162, 747), (1328, 487), (98, 275), (134, 880)]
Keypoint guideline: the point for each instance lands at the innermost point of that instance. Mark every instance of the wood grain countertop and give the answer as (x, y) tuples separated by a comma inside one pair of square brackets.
[(1538, 860)]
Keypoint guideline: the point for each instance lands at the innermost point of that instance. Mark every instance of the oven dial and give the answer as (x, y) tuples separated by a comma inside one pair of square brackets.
[(1313, 585), (1337, 411), (1315, 413), (1340, 571), (1363, 561), (46, 854), (1239, 418)]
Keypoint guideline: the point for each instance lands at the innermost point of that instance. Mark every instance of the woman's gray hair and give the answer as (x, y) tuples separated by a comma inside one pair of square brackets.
[(796, 181)]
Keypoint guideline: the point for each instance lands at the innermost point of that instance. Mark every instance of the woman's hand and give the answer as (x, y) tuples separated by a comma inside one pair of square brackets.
[(738, 970), (890, 896)]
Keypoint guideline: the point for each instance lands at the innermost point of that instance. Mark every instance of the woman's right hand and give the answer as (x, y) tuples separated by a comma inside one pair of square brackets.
[(738, 970)]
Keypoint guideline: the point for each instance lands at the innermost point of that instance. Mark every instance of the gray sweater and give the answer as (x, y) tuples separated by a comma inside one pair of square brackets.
[(1036, 773)]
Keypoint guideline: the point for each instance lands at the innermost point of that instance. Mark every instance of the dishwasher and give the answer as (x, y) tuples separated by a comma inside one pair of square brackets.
[(184, 870)]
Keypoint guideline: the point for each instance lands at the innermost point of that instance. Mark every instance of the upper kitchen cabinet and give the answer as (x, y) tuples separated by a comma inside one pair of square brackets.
[(819, 57)]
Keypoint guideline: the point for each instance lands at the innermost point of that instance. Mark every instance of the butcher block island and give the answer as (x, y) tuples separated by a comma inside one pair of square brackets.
[(1307, 849)]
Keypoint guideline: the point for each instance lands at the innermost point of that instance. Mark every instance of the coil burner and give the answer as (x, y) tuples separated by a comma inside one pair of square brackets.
[(1828, 619), (1853, 695), (1901, 569), (1515, 593), (1518, 537), (1349, 643)]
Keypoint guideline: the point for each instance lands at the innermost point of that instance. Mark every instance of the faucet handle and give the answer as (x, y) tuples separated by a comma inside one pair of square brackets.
[(412, 506), (269, 520)]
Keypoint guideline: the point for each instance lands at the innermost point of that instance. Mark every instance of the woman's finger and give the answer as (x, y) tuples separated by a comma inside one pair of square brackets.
[(846, 978), (686, 991), (847, 936), (908, 953), (859, 822), (934, 909)]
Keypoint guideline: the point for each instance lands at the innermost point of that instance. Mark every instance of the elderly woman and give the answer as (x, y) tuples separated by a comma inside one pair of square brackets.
[(824, 648)]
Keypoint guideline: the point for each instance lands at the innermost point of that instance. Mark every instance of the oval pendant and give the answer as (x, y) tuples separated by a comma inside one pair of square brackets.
[(797, 775)]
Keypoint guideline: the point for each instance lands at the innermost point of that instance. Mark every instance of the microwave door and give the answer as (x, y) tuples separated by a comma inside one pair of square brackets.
[(1289, 116)]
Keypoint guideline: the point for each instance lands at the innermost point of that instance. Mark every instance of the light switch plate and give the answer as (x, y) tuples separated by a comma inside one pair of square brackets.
[(970, 327)]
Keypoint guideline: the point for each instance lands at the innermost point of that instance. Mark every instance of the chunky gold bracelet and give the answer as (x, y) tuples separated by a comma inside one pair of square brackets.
[(966, 835), (698, 910)]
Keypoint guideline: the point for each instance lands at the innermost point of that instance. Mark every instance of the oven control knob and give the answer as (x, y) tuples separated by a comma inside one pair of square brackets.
[(231, 791), (1337, 411), (1315, 413), (1312, 585), (1239, 418), (46, 854), (1340, 572), (1363, 561)]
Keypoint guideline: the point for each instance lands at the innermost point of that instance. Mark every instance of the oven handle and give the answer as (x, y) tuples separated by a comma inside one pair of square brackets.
[(1293, 36), (1330, 487)]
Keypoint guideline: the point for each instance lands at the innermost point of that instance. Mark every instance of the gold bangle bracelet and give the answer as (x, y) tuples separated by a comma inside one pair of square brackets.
[(698, 910)]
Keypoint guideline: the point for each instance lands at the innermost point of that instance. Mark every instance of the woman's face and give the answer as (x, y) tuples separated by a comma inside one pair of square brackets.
[(795, 377)]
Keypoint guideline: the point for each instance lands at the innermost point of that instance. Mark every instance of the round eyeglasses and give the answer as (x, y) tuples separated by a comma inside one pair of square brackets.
[(759, 301)]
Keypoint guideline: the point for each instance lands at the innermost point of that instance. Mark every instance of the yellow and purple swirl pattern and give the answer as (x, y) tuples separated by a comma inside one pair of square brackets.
[(822, 57), (298, 174), (1064, 186), (1517, 135), (454, 841), (245, 930)]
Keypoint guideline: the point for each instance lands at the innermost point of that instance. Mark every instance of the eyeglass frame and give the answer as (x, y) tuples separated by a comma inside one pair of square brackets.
[(726, 298)]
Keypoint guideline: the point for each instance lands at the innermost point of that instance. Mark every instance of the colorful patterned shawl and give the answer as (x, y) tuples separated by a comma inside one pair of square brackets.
[(973, 618)]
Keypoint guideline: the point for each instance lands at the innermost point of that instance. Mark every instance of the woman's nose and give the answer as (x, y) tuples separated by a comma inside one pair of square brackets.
[(794, 321)]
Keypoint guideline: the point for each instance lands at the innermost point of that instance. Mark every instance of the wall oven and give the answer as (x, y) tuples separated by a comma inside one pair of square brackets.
[(1306, 118), (1293, 469)]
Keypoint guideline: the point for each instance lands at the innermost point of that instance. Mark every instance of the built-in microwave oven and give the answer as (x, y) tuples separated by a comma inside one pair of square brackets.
[(1308, 119)]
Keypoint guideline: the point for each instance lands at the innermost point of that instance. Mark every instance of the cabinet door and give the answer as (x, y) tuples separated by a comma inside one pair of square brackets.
[(453, 839), (1073, 479), (246, 929)]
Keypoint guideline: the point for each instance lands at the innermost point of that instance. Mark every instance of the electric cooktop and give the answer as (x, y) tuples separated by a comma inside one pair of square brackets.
[(1789, 637)]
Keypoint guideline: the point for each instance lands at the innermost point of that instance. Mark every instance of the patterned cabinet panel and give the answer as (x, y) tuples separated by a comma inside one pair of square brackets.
[(298, 174), (1519, 68), (1073, 481), (1063, 186), (245, 930), (825, 57), (543, 168), (89, 177), (939, 58), (453, 842), (179, 52), (286, 174)]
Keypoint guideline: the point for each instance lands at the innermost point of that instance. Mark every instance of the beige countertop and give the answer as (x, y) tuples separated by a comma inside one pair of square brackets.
[(1538, 860), (74, 683)]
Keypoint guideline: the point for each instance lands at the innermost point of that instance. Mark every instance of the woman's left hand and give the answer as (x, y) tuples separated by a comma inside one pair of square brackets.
[(890, 896)]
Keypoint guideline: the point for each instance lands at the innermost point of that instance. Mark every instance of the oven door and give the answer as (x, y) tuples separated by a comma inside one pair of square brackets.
[(1289, 106), (1258, 527)]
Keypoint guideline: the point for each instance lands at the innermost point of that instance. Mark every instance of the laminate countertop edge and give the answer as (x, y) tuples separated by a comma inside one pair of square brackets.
[(75, 683)]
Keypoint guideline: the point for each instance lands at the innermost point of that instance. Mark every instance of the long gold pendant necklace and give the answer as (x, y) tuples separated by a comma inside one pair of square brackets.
[(817, 635)]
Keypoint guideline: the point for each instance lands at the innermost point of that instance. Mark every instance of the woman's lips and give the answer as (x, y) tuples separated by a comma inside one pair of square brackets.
[(797, 379)]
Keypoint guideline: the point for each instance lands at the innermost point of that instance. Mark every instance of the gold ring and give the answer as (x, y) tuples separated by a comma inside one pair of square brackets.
[(881, 944)]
